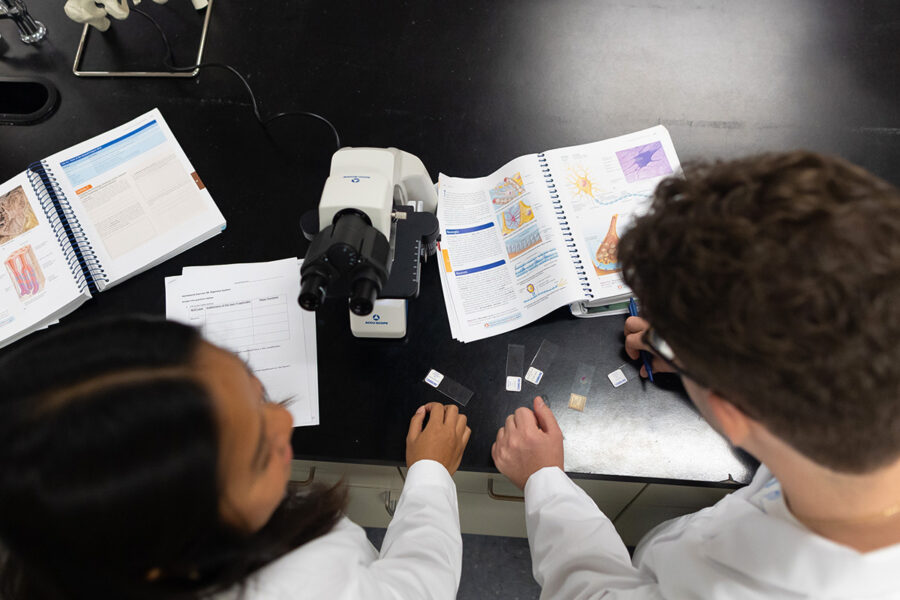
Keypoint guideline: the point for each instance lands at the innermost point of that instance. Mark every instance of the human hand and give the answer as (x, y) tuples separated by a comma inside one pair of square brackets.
[(634, 343), (527, 443), (443, 439)]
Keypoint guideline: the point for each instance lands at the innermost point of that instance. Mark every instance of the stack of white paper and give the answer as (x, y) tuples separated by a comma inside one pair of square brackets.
[(251, 309)]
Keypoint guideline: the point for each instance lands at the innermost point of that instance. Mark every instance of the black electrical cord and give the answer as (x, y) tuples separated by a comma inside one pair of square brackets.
[(169, 61)]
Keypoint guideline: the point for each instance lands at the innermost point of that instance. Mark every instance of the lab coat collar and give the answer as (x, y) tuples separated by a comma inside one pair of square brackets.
[(786, 555)]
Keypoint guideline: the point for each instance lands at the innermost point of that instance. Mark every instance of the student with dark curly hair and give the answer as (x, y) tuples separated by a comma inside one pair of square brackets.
[(139, 461), (771, 285)]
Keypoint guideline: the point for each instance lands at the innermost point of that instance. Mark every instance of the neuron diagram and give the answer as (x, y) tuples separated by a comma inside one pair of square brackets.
[(580, 183)]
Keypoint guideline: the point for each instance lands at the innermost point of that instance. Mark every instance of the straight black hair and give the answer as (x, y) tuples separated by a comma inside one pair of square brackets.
[(108, 471)]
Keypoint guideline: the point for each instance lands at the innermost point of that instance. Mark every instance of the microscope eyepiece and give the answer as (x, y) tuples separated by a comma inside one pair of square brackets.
[(348, 258), (362, 296), (312, 291)]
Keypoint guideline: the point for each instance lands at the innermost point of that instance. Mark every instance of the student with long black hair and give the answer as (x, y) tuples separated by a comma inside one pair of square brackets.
[(139, 461)]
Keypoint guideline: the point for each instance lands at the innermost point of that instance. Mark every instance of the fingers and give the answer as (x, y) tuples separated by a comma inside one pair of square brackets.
[(443, 439), (545, 418), (510, 423), (635, 325), (441, 415), (634, 343), (450, 413), (436, 410), (524, 418), (461, 424), (522, 448), (634, 332), (657, 364), (415, 424)]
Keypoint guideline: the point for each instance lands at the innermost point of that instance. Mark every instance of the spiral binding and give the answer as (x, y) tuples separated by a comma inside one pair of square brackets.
[(77, 248), (565, 228)]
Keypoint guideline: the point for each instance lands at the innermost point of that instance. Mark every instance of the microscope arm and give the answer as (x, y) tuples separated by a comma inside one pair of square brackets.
[(413, 182)]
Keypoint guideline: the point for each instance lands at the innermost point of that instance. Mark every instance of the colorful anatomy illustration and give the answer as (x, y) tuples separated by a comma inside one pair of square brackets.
[(607, 260), (515, 216), (16, 216), (522, 241), (644, 162), (581, 184), (25, 272), (509, 190)]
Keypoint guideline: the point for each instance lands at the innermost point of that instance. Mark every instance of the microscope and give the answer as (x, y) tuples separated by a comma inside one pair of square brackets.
[(374, 227)]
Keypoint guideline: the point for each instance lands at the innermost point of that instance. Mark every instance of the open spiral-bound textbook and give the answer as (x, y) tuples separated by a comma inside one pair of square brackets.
[(542, 231), (93, 215)]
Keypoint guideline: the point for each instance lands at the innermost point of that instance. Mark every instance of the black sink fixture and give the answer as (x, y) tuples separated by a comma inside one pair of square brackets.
[(26, 100)]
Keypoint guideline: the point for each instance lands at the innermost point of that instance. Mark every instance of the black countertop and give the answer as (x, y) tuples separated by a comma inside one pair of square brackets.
[(467, 86)]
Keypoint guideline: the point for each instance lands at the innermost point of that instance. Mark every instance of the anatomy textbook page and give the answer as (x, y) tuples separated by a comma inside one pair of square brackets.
[(503, 259), (603, 187), (36, 282), (251, 309), (136, 196)]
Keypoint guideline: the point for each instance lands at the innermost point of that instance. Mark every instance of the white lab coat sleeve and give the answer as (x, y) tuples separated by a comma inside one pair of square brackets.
[(421, 555), (576, 552), (420, 558)]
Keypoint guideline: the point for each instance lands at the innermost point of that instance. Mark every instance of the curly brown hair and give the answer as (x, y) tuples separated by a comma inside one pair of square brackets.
[(776, 280)]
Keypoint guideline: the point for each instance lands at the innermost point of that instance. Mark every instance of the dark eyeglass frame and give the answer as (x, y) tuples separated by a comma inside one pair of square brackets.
[(664, 351)]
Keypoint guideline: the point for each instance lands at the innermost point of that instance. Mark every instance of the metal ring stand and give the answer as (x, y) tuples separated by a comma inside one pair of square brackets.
[(83, 42)]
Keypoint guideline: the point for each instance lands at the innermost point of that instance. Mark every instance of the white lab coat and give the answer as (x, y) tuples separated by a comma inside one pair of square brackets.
[(420, 558), (746, 546)]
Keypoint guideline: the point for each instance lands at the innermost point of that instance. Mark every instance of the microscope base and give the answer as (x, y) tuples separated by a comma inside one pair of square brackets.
[(387, 320)]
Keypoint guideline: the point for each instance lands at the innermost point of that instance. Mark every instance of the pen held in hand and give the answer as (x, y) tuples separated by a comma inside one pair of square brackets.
[(645, 356)]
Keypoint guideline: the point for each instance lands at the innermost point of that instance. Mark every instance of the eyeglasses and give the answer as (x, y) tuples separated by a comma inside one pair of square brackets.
[(664, 351)]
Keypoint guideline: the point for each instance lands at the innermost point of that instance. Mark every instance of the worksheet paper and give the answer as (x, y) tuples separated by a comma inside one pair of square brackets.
[(251, 309), (136, 196)]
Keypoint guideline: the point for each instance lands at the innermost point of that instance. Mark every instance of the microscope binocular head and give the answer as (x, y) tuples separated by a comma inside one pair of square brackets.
[(378, 205), (350, 258)]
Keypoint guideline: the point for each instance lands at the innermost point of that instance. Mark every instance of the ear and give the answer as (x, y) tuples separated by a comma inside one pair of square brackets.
[(733, 423)]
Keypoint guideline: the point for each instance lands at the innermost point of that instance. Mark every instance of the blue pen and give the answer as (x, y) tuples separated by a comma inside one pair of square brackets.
[(645, 356)]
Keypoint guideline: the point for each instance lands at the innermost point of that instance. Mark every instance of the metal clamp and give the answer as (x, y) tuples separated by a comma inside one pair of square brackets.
[(193, 73)]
